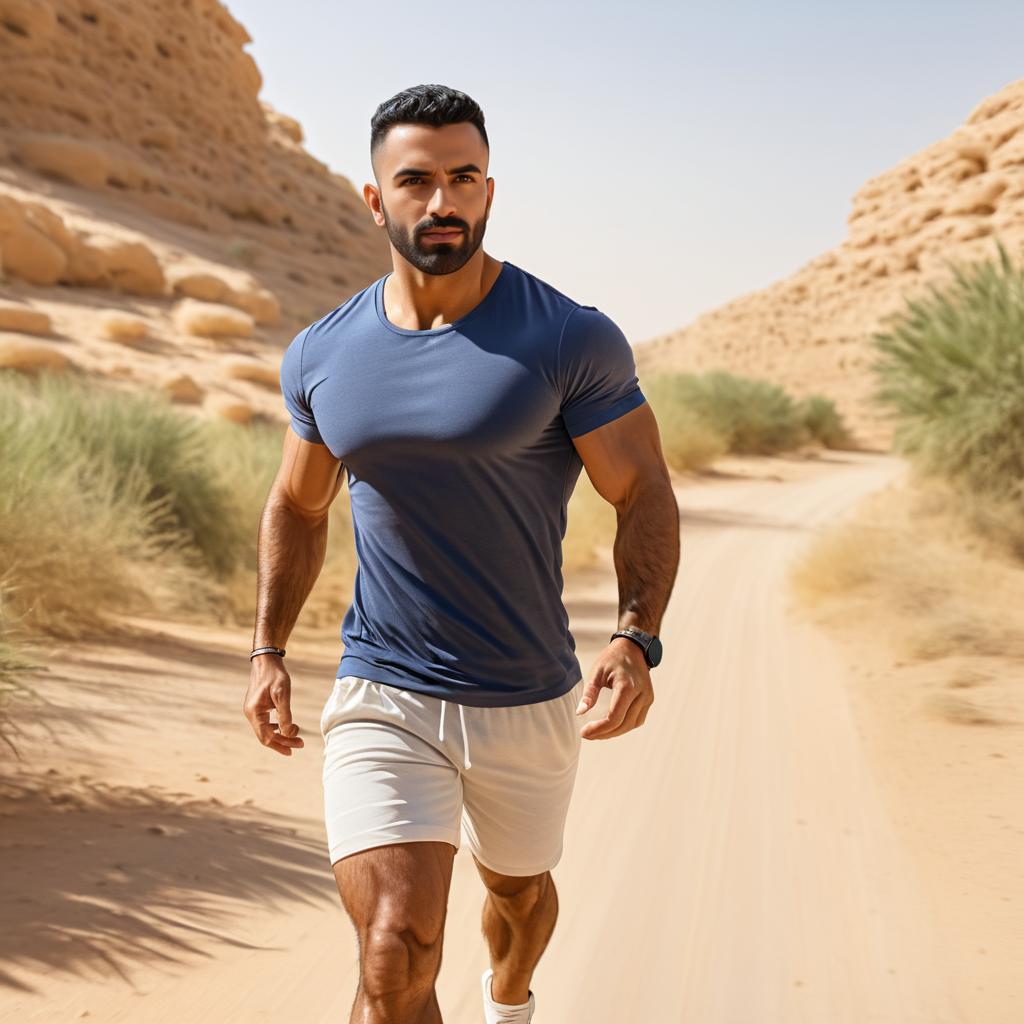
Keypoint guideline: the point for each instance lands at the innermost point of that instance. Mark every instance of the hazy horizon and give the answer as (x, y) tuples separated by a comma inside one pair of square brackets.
[(712, 152)]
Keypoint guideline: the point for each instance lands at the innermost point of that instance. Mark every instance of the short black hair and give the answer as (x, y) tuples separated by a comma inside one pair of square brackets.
[(435, 105)]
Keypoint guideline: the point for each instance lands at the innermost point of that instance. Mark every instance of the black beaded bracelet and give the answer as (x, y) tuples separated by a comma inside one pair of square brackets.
[(267, 650)]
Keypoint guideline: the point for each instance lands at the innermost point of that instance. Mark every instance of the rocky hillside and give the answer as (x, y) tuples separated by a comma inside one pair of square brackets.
[(809, 332), (161, 225)]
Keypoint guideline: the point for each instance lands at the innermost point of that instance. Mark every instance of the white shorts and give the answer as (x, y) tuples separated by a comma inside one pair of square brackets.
[(401, 765)]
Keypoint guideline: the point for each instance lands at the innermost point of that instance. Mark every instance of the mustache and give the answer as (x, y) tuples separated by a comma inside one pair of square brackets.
[(442, 224)]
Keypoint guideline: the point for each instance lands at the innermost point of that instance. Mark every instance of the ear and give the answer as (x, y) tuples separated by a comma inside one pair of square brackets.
[(371, 196)]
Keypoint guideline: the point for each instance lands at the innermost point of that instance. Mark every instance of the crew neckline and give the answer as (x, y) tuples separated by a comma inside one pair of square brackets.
[(378, 301)]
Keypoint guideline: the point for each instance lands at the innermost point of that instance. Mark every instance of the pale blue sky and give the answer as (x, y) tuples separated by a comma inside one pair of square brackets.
[(651, 159)]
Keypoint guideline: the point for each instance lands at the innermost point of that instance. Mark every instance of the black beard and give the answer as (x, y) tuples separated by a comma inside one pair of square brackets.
[(441, 257)]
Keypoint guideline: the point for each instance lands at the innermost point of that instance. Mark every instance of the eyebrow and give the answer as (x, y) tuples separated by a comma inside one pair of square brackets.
[(464, 169)]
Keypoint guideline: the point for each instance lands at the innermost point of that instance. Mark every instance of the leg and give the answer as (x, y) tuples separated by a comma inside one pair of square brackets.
[(397, 898), (519, 916), (391, 810)]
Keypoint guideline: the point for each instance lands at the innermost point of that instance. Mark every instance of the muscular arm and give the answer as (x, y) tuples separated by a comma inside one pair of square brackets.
[(625, 463), (626, 466), (292, 540), (291, 545)]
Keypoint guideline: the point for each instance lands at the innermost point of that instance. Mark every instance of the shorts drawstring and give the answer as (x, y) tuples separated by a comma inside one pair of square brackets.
[(465, 735)]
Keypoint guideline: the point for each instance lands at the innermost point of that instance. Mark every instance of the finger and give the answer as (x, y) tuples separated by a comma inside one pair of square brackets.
[(257, 718), (286, 741), (643, 714), (289, 730), (629, 722), (279, 746), (622, 697), (282, 702), (269, 734), (590, 695)]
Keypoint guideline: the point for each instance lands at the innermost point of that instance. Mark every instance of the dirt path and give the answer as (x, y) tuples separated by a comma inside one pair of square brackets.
[(729, 863)]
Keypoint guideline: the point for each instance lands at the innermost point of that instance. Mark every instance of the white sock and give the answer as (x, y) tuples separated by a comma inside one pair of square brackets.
[(504, 1006)]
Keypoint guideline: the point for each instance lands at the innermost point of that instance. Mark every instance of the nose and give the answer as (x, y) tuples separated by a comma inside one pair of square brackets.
[(440, 205)]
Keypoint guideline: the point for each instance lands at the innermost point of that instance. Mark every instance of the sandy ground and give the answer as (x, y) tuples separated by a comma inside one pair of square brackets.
[(735, 861), (946, 742)]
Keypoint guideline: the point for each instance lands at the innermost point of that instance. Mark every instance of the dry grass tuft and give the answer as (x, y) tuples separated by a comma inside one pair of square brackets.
[(909, 569)]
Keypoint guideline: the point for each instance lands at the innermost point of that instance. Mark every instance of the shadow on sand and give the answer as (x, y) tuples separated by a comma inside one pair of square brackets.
[(96, 877)]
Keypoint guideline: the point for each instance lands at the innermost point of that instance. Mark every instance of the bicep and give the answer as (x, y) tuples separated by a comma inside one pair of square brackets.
[(309, 477), (622, 454)]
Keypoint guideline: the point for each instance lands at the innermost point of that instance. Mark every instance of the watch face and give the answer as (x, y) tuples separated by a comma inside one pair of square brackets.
[(654, 652)]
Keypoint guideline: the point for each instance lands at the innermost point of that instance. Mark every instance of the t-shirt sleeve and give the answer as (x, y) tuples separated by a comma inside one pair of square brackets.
[(294, 393), (596, 370)]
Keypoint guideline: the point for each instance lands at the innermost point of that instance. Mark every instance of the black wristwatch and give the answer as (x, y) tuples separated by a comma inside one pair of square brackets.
[(651, 644)]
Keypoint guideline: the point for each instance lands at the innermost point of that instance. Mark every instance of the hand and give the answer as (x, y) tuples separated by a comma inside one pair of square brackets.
[(270, 688), (621, 666)]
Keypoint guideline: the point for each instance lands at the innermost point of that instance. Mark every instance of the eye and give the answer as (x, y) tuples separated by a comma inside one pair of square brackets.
[(412, 178), (468, 177)]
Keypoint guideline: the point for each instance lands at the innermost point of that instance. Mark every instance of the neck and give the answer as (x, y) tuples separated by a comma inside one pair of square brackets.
[(420, 302)]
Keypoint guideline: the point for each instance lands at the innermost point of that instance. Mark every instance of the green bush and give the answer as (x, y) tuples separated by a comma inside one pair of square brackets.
[(118, 502), (147, 452), (951, 373), (687, 442), (115, 502), (751, 416), (822, 421), (71, 529)]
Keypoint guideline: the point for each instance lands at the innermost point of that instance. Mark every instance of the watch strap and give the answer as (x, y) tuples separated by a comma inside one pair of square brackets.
[(634, 635)]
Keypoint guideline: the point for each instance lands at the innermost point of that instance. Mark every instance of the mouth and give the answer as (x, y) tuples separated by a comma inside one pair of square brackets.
[(446, 235)]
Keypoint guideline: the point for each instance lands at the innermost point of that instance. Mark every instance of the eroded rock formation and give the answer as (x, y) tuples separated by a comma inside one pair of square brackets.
[(810, 332), (153, 207)]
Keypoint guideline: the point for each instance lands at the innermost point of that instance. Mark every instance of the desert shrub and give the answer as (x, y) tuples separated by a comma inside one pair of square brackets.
[(125, 449), (751, 416), (73, 529), (951, 374), (822, 421), (904, 565), (687, 441), (113, 502)]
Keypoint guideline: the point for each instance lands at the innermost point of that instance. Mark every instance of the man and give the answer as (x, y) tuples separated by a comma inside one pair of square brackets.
[(462, 395)]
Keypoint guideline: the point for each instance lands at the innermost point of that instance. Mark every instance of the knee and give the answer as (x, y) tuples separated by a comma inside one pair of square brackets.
[(517, 898), (400, 955)]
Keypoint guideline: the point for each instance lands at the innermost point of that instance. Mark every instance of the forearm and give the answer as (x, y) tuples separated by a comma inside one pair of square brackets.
[(290, 555), (646, 554)]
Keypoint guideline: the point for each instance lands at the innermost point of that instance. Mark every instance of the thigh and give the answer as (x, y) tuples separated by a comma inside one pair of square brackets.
[(518, 792), (401, 888), (384, 782)]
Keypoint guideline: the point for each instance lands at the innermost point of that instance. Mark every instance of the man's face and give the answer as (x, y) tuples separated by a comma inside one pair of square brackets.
[(433, 180)]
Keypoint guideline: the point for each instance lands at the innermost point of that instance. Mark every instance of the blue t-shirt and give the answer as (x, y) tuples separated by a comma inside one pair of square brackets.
[(457, 446)]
